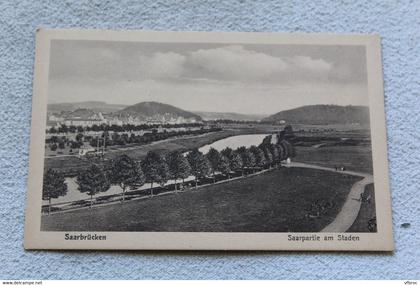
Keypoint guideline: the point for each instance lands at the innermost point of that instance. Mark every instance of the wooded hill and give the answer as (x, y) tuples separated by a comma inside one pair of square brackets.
[(154, 109), (96, 106), (323, 115)]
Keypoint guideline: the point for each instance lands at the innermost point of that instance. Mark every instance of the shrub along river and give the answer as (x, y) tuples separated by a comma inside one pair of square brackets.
[(233, 142)]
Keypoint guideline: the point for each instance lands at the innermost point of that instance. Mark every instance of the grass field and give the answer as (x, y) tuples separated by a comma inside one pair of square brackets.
[(366, 213), (276, 201), (357, 158)]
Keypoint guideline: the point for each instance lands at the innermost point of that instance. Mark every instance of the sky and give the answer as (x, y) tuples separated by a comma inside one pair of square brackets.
[(242, 78)]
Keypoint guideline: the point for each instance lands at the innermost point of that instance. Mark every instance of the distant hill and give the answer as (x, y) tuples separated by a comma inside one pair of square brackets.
[(81, 113), (95, 106), (322, 115), (157, 111), (228, 116)]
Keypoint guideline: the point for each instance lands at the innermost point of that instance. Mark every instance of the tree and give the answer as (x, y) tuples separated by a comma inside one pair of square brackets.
[(259, 156), (93, 181), (200, 166), (267, 140), (54, 139), (235, 161), (228, 152), (224, 165), (290, 150), (178, 166), (53, 186), (95, 128), (268, 155), (248, 159), (282, 152), (214, 158), (63, 129), (115, 136), (155, 169), (53, 147), (105, 138), (276, 154), (126, 173), (72, 129), (61, 145), (79, 137), (288, 132)]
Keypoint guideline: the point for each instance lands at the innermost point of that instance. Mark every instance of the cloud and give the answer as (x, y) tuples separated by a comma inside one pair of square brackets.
[(231, 63), (307, 63), (227, 63), (163, 65), (236, 63)]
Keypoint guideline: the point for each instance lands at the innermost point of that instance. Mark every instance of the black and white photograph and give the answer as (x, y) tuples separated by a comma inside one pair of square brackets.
[(167, 134)]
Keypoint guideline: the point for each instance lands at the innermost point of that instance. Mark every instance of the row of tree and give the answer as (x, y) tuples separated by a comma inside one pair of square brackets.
[(125, 138), (117, 128), (58, 143), (157, 168)]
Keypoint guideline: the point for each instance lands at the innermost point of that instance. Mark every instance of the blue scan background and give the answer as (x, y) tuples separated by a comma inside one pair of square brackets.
[(398, 22)]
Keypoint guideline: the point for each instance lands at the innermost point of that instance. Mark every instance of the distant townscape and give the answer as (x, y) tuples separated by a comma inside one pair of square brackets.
[(88, 114), (145, 113)]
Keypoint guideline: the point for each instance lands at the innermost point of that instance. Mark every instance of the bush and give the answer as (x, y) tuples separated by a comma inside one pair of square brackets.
[(53, 147)]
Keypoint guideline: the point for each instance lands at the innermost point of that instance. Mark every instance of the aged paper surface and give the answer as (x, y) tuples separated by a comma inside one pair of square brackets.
[(210, 141)]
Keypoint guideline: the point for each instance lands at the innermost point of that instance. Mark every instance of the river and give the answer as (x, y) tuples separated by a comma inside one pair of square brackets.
[(235, 142)]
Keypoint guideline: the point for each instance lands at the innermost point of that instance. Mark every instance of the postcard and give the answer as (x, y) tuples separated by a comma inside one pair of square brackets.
[(147, 140)]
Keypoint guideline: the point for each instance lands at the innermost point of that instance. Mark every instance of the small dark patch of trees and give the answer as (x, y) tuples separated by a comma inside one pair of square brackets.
[(178, 166), (126, 173), (93, 181), (155, 169), (200, 165), (214, 158), (53, 186)]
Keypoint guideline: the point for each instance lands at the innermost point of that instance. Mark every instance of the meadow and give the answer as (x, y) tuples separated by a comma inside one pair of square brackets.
[(357, 158), (280, 200)]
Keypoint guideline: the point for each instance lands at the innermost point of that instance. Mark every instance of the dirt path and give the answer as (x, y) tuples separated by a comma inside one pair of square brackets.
[(351, 207)]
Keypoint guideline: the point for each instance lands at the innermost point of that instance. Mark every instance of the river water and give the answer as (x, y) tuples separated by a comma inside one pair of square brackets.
[(235, 142)]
